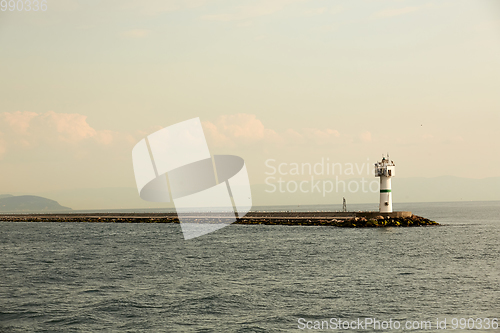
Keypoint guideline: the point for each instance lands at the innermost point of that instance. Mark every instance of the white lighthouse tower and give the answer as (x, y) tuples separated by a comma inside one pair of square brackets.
[(385, 170)]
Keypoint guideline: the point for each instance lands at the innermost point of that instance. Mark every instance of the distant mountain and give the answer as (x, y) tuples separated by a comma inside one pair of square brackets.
[(5, 195), (29, 204)]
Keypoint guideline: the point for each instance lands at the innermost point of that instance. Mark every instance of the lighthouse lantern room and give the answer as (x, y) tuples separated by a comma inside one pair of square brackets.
[(385, 170)]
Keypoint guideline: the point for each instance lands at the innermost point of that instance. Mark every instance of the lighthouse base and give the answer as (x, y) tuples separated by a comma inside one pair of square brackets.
[(369, 215)]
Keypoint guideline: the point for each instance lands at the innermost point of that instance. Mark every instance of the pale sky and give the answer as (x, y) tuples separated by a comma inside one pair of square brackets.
[(291, 80)]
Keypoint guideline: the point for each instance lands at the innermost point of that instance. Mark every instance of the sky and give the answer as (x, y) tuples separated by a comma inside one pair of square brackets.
[(294, 81)]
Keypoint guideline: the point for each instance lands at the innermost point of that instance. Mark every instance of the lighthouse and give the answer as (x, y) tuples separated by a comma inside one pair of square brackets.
[(385, 170)]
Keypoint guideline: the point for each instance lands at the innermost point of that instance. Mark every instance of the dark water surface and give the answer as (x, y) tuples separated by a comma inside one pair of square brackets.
[(63, 277)]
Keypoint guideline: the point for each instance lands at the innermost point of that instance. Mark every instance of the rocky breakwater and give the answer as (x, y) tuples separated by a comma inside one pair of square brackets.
[(335, 219), (354, 222), (380, 221)]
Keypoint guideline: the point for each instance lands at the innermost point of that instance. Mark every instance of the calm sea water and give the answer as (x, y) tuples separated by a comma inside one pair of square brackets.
[(64, 277)]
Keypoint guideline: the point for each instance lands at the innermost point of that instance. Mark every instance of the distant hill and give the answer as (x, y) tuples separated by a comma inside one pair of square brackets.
[(29, 204), (5, 196)]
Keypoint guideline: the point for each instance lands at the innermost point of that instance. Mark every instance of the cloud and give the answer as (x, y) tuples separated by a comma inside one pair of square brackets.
[(30, 130), (18, 121), (3, 147), (137, 33), (229, 130), (70, 127), (366, 136), (246, 129), (427, 136), (71, 133)]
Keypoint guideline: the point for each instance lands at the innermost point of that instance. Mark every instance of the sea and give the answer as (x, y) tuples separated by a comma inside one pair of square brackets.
[(106, 277)]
